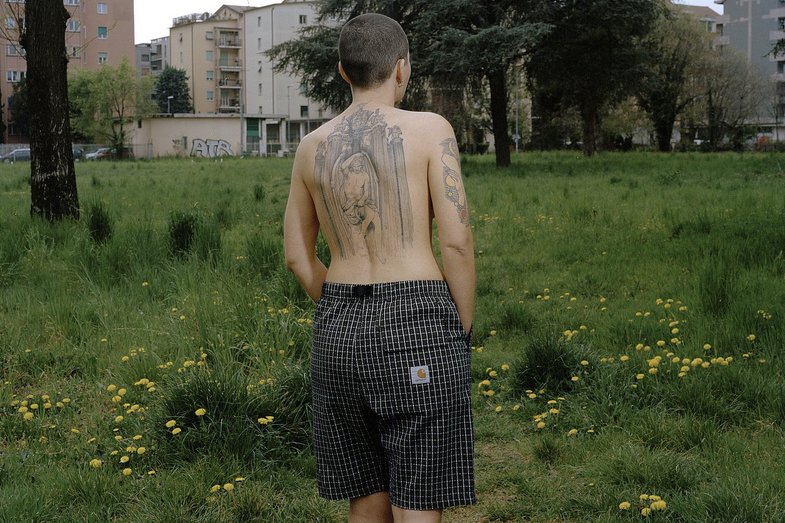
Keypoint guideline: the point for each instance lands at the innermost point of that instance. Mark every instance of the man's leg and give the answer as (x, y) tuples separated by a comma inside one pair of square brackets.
[(416, 516), (374, 508)]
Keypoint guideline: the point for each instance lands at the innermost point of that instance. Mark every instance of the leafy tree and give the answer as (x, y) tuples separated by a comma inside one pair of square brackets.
[(675, 49), (52, 177), (593, 57), (482, 40), (172, 82), (106, 101)]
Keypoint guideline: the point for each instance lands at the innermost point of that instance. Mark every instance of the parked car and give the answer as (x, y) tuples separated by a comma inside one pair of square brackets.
[(17, 155), (99, 154)]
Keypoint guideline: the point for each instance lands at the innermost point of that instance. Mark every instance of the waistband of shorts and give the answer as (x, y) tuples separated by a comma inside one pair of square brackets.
[(386, 289)]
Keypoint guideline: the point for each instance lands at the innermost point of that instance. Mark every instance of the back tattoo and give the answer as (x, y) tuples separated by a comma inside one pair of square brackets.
[(361, 174)]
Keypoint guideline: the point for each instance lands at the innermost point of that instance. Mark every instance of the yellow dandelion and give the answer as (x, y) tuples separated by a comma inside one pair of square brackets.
[(707, 346), (540, 424), (125, 459), (493, 374), (516, 407), (118, 419), (127, 472), (750, 337), (228, 487), (96, 463), (239, 478), (215, 488), (572, 432), (141, 450), (151, 472), (645, 511), (498, 409), (653, 370), (176, 431), (624, 358), (200, 412), (575, 379), (28, 416), (171, 423), (624, 505), (505, 367), (640, 376)]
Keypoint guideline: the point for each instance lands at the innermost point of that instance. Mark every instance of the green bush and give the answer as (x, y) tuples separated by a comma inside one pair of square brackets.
[(99, 222)]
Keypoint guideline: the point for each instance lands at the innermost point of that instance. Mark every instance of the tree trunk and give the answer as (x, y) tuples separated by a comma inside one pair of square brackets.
[(501, 134), (663, 127), (52, 176)]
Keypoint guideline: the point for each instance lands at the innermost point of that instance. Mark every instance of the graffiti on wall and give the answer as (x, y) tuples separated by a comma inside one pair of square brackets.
[(210, 148)]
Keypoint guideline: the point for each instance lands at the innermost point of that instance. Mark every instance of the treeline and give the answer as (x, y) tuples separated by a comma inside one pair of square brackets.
[(595, 73)]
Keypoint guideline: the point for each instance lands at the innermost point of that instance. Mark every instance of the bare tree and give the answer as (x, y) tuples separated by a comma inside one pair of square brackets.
[(52, 177)]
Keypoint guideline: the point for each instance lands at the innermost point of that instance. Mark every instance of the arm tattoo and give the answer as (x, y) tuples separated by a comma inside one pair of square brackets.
[(361, 173), (452, 180)]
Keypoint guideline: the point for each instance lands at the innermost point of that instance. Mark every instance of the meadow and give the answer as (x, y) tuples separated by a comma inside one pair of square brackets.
[(627, 361)]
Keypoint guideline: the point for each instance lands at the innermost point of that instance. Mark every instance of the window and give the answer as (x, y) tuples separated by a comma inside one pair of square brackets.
[(303, 111), (258, 44), (73, 26), (14, 76), (209, 56), (74, 52), (781, 24), (181, 57), (145, 57), (210, 76), (13, 50), (101, 8), (103, 58), (303, 19), (260, 89), (103, 33), (210, 96), (258, 21), (208, 35), (10, 23), (71, 2)]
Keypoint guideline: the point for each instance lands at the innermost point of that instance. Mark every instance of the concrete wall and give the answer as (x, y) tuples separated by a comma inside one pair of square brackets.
[(188, 135)]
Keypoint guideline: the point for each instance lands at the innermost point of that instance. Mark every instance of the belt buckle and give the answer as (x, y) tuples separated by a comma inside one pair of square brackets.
[(362, 291)]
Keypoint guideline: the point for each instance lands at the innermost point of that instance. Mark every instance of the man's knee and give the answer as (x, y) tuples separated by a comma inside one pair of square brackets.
[(374, 508)]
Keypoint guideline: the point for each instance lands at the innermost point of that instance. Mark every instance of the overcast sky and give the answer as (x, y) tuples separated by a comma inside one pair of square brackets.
[(154, 17)]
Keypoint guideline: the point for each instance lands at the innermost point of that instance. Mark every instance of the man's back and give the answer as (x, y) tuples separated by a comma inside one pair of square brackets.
[(367, 172)]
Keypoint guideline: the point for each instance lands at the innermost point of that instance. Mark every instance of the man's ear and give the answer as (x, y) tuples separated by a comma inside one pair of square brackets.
[(399, 65), (343, 74)]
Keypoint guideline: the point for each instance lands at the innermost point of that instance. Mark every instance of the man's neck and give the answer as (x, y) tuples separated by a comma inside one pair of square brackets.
[(382, 95)]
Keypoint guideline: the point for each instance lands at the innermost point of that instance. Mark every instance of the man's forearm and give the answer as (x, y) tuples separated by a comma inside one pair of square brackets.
[(460, 276), (311, 274)]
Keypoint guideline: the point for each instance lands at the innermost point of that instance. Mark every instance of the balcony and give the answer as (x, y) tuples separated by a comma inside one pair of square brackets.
[(229, 106), (232, 64), (232, 42), (229, 83), (776, 36)]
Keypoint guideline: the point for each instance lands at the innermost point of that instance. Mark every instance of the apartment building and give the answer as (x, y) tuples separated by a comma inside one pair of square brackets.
[(209, 49), (98, 32), (159, 55), (753, 27), (277, 114)]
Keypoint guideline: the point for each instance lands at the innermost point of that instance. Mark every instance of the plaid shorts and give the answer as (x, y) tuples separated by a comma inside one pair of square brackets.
[(392, 395)]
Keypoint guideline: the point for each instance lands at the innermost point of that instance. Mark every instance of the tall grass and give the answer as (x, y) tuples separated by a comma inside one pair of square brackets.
[(177, 294)]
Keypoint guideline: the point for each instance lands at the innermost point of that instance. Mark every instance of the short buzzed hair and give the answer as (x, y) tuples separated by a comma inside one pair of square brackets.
[(369, 47)]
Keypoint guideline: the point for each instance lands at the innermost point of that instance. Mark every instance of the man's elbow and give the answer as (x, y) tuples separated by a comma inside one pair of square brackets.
[(461, 248)]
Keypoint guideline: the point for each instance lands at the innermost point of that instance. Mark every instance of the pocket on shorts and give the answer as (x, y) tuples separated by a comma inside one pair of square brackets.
[(425, 322)]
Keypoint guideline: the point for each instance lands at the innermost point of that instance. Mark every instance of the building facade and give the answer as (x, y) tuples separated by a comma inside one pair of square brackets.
[(752, 28), (277, 114), (209, 49), (98, 32), (224, 57)]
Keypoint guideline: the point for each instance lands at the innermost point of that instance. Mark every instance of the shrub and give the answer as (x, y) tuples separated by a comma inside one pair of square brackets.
[(716, 281), (182, 230), (548, 363), (258, 192), (99, 223)]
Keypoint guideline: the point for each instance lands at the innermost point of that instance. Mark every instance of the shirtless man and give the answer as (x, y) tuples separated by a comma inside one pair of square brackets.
[(391, 334)]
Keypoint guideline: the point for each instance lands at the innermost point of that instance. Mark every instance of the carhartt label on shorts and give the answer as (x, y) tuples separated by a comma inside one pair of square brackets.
[(420, 374)]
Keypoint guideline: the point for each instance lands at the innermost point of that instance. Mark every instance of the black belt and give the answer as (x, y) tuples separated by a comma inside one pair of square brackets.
[(362, 291)]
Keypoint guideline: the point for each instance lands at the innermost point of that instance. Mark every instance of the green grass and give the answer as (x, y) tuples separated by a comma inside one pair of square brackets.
[(174, 277)]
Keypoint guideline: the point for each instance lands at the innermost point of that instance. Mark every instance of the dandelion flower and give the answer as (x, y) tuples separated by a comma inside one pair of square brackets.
[(493, 374), (118, 419), (28, 416), (124, 459), (584, 363), (707, 346), (640, 376), (624, 505), (572, 432), (200, 412), (176, 431), (171, 423), (141, 450), (532, 395), (750, 337), (645, 511), (554, 411), (574, 379), (151, 472), (660, 504), (624, 358), (215, 488), (498, 408), (493, 333), (653, 370), (228, 487), (96, 463), (540, 424), (127, 472), (516, 407), (505, 367)]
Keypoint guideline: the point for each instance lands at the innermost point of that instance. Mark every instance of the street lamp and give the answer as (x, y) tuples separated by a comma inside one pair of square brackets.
[(169, 104)]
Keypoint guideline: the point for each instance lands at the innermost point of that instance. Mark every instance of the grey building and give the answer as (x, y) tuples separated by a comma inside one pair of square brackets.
[(159, 55), (752, 28)]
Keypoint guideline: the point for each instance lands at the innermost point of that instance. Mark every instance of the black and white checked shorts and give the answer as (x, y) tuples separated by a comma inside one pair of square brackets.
[(392, 395)]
